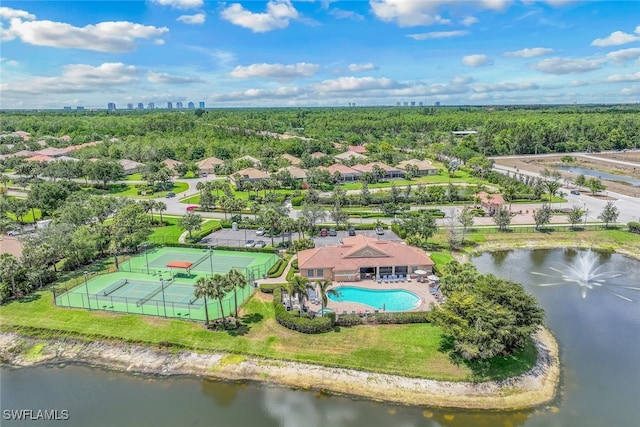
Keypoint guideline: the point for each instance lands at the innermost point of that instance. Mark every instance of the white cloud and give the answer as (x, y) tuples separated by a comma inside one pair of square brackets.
[(616, 78), (624, 55), (257, 94), (634, 90), (567, 66), (475, 60), (345, 14), (351, 84), (118, 36), (529, 52), (275, 71), (8, 13), (469, 21), (504, 87), (196, 19), (180, 4), (10, 62), (438, 35), (76, 78), (615, 39), (158, 42), (277, 16), (578, 83), (357, 68), (411, 13), (163, 78)]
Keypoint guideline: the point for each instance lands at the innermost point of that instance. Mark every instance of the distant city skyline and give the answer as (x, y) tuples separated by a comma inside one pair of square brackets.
[(319, 53)]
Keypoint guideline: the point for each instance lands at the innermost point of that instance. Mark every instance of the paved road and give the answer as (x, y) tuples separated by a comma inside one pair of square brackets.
[(629, 206)]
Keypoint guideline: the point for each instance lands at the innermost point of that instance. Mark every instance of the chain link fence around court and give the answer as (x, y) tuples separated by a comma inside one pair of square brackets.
[(169, 300)]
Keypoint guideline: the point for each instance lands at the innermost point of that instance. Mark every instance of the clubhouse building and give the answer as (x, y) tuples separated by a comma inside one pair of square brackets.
[(360, 258)]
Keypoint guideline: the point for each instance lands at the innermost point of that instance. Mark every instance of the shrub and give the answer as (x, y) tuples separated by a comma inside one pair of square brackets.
[(398, 230), (401, 318), (348, 320), (634, 227), (269, 288), (293, 321), (277, 269), (297, 200)]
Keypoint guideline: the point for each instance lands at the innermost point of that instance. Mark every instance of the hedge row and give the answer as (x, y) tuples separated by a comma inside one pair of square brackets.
[(292, 320), (384, 318), (277, 269), (634, 227), (267, 250), (269, 288)]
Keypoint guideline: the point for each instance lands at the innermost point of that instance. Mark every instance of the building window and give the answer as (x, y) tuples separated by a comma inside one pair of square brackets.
[(311, 272), (385, 270), (401, 269), (320, 273)]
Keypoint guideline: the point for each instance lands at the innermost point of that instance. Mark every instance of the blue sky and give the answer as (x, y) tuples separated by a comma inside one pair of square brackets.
[(318, 53)]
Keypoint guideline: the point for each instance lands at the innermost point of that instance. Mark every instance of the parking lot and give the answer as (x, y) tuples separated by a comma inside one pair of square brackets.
[(229, 237), (334, 240)]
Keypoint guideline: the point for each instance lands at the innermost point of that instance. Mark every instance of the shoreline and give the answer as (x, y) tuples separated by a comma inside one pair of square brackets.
[(533, 388)]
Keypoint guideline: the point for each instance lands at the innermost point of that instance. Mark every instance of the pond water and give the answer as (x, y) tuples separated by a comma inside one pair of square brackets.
[(599, 174), (598, 334)]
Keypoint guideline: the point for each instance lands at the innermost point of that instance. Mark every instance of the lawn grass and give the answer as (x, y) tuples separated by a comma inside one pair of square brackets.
[(171, 232), (195, 199), (135, 177), (130, 190), (460, 177), (28, 218), (411, 350)]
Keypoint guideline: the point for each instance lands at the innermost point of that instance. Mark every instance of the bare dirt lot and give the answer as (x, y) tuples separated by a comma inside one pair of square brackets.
[(626, 156), (539, 163)]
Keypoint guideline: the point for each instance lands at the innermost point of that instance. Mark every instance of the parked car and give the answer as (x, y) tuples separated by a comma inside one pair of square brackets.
[(379, 231), (324, 232), (260, 231), (13, 233), (260, 244), (576, 192), (352, 231), (191, 208), (333, 232), (250, 243), (170, 194)]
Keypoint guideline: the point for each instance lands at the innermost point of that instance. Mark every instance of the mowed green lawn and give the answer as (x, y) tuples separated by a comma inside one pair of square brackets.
[(130, 190), (171, 232), (195, 199)]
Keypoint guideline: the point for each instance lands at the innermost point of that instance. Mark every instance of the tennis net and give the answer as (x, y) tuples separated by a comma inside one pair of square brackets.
[(199, 261), (149, 296), (111, 289)]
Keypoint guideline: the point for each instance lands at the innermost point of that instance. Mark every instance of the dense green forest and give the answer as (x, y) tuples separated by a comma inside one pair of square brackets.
[(228, 133)]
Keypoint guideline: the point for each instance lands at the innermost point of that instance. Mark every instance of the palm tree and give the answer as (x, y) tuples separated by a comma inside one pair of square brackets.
[(200, 186), (272, 220), (552, 189), (147, 206), (302, 224), (300, 285), (510, 194), (290, 289), (202, 290), (218, 290), (9, 266), (323, 287), (160, 207), (236, 280)]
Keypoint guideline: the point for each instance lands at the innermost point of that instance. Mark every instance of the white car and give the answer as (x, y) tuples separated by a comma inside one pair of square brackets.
[(260, 231), (250, 243)]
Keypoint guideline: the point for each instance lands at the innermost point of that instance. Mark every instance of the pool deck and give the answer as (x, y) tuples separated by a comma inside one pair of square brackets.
[(420, 289)]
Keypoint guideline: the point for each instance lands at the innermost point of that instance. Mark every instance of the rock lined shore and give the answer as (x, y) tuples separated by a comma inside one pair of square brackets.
[(533, 388)]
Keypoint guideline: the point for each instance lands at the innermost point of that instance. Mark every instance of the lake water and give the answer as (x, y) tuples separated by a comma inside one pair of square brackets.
[(598, 174), (599, 338)]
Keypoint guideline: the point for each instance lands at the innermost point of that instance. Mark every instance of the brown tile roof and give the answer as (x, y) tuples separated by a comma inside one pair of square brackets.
[(349, 155), (292, 159), (52, 152), (251, 173), (23, 153), (369, 167), (342, 169), (79, 146), (296, 172), (129, 164), (209, 163), (496, 199), (39, 158), (357, 149), (171, 164), (421, 164), (362, 251), (252, 159)]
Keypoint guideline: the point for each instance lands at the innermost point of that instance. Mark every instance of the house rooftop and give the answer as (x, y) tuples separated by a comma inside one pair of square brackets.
[(348, 155), (420, 164), (251, 173), (490, 199)]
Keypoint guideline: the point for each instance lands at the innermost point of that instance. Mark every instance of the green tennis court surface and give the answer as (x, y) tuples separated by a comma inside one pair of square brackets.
[(167, 291)]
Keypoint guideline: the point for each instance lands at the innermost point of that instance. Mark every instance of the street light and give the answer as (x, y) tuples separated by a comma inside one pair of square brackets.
[(586, 211), (146, 256), (86, 286), (164, 304), (211, 259)]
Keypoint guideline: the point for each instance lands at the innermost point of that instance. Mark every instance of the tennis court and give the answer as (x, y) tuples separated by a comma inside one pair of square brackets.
[(165, 291)]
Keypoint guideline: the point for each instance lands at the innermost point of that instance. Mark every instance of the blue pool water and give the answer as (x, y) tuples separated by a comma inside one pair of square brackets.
[(389, 300)]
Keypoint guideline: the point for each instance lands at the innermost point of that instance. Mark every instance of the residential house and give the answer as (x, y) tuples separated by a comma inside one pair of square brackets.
[(209, 164), (22, 134), (248, 174), (171, 164), (255, 162), (71, 148), (346, 173), (51, 152), (297, 173), (40, 158), (389, 171), (360, 149), (490, 202), (130, 167), (424, 167), (361, 257), (349, 155), (295, 161)]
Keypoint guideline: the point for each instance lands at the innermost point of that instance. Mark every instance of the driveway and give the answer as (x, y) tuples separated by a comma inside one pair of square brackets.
[(335, 240)]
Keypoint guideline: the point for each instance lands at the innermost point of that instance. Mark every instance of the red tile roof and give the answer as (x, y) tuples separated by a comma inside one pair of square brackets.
[(496, 199), (361, 251), (361, 149)]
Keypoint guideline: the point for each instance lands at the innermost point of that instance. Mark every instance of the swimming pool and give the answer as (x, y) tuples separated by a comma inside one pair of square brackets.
[(388, 300)]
